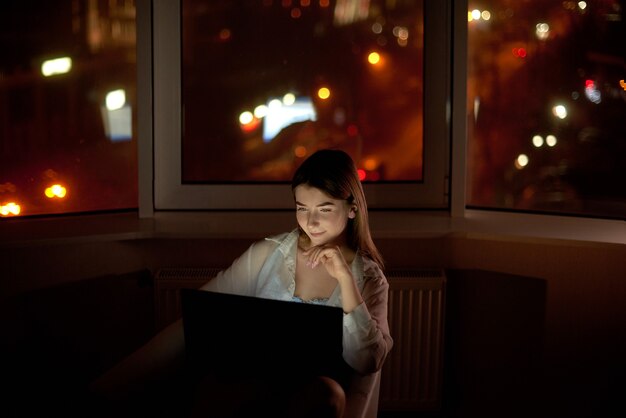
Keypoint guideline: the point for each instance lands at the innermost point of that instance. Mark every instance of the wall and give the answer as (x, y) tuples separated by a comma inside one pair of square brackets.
[(583, 340)]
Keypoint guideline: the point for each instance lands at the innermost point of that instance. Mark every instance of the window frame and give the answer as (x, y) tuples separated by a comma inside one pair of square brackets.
[(393, 224), (171, 194)]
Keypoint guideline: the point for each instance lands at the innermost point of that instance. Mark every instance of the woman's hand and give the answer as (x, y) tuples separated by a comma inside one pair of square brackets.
[(331, 257), (336, 265)]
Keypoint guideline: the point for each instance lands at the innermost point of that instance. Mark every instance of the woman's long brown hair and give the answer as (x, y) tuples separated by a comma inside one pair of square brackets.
[(334, 172)]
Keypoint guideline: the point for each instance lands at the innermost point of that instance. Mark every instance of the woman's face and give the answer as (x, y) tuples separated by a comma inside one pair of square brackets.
[(322, 217)]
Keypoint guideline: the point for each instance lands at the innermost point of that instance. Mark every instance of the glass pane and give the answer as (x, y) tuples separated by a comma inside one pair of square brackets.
[(267, 82), (547, 105), (67, 107)]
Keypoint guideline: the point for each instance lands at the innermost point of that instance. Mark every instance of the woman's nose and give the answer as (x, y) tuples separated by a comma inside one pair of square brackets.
[(312, 221)]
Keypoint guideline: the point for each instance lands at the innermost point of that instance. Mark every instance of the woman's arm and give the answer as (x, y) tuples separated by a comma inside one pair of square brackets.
[(366, 339), (366, 336), (336, 265)]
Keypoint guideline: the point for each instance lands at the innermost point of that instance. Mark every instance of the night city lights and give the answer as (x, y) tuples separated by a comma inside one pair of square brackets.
[(56, 66), (55, 191), (559, 86), (345, 67), (545, 80), (10, 209), (67, 88)]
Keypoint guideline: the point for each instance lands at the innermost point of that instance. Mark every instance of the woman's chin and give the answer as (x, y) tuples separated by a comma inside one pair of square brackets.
[(316, 241)]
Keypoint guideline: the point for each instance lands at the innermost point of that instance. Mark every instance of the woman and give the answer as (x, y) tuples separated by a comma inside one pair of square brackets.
[(329, 259)]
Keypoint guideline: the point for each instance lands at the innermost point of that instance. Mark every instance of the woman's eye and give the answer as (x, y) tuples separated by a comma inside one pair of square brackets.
[(325, 210), (300, 209)]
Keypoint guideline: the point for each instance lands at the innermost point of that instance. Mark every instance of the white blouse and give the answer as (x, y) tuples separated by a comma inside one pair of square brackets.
[(267, 269)]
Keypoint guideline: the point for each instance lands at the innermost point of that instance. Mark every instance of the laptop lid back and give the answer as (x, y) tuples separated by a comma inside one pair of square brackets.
[(234, 334)]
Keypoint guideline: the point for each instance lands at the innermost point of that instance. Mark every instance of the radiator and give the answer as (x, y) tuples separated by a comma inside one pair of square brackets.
[(411, 379)]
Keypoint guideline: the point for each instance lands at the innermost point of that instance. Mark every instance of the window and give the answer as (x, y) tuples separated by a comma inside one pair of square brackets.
[(265, 83), (67, 87), (547, 100)]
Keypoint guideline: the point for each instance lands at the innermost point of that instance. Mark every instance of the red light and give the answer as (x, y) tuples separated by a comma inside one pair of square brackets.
[(519, 52), (589, 84), (249, 127), (353, 130), (361, 174)]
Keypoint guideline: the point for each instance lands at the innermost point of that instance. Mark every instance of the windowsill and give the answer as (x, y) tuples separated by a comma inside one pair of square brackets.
[(255, 224), (525, 227), (21, 232)]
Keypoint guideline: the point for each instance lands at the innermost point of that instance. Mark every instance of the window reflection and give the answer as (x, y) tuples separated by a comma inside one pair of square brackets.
[(67, 105), (267, 82), (547, 106)]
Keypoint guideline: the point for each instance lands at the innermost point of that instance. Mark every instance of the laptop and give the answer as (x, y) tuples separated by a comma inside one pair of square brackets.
[(231, 335)]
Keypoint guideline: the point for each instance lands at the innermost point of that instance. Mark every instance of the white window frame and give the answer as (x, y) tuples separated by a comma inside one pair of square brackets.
[(171, 194)]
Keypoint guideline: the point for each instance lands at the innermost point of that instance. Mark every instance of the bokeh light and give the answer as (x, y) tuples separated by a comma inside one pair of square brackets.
[(519, 52), (478, 15), (370, 164), (246, 117), (542, 31), (225, 34), (248, 121), (521, 161), (289, 99), (115, 99), (323, 93), (55, 191), (299, 151), (559, 111), (10, 209), (275, 104), (373, 58), (56, 66), (260, 111)]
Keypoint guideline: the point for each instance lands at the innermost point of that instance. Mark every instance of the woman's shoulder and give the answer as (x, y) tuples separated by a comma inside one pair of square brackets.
[(283, 242), (282, 237)]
